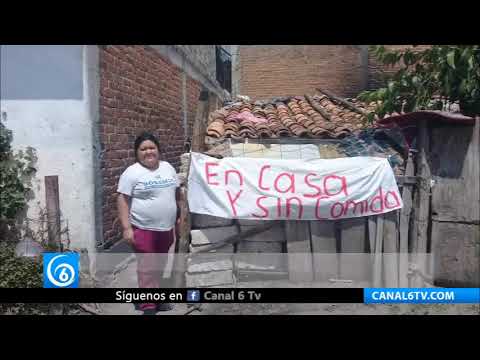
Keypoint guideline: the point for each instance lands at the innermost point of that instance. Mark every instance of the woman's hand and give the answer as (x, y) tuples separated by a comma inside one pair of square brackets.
[(123, 211), (128, 235), (177, 229)]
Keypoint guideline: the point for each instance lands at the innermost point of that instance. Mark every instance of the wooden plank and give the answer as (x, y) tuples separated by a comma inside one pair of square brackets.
[(237, 238), (404, 225), (299, 251), (406, 180), (377, 260), (391, 248), (318, 108), (275, 234), (354, 264), (344, 102), (457, 248), (324, 249), (456, 170), (422, 202), (200, 122), (53, 210), (372, 232), (182, 243)]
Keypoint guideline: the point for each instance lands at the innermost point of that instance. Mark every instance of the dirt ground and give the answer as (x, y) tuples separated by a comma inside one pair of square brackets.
[(338, 309)]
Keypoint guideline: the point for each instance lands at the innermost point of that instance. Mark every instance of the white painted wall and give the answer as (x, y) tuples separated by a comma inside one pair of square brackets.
[(60, 129)]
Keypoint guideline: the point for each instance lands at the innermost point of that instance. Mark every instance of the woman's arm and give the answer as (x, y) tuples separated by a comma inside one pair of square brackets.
[(123, 215), (178, 195)]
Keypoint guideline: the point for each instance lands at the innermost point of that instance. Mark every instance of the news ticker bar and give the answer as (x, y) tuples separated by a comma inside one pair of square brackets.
[(243, 295)]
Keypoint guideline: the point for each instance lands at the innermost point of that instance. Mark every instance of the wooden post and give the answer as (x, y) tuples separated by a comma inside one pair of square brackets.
[(53, 210), (198, 145), (344, 102), (353, 264), (390, 254), (324, 249), (180, 262), (404, 226), (372, 232), (455, 205), (422, 202), (200, 122), (455, 164), (377, 260), (318, 108), (299, 250)]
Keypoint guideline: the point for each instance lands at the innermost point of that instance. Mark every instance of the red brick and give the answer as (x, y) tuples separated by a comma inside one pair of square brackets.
[(295, 70), (140, 91)]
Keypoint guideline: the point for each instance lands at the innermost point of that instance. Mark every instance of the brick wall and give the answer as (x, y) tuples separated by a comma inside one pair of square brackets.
[(193, 92), (139, 90), (273, 70)]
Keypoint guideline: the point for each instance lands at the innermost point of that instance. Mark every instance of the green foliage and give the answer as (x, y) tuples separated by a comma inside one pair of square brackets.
[(16, 172), (5, 141), (18, 272), (448, 72)]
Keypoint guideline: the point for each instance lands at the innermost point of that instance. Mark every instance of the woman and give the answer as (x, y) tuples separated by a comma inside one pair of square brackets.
[(148, 212)]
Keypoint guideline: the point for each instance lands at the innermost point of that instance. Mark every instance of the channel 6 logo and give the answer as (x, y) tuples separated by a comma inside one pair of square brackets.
[(60, 270)]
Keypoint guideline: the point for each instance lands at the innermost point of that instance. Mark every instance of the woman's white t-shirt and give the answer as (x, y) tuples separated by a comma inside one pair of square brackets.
[(152, 192)]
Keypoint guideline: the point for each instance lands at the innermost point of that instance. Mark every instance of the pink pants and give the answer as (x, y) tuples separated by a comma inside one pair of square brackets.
[(151, 249)]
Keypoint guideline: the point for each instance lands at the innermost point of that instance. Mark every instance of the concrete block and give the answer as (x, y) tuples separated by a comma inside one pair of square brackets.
[(246, 222), (245, 275), (276, 234), (215, 265), (261, 262), (259, 247), (205, 262), (212, 235), (260, 256), (201, 221), (213, 278), (227, 249)]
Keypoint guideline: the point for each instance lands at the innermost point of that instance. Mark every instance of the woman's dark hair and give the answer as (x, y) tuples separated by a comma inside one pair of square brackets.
[(143, 137)]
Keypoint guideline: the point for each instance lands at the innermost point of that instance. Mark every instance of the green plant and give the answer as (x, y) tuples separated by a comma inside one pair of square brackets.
[(16, 172), (5, 141), (446, 73), (19, 272)]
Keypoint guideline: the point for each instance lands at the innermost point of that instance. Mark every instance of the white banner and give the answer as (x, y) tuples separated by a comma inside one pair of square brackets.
[(272, 189)]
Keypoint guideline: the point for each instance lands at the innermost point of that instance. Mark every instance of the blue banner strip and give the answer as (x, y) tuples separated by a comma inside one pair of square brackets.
[(421, 295)]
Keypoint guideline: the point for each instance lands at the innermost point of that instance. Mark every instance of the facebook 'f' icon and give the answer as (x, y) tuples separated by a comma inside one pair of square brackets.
[(193, 295)]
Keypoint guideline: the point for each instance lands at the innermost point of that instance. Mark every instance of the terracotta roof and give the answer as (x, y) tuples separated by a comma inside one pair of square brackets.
[(302, 116)]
